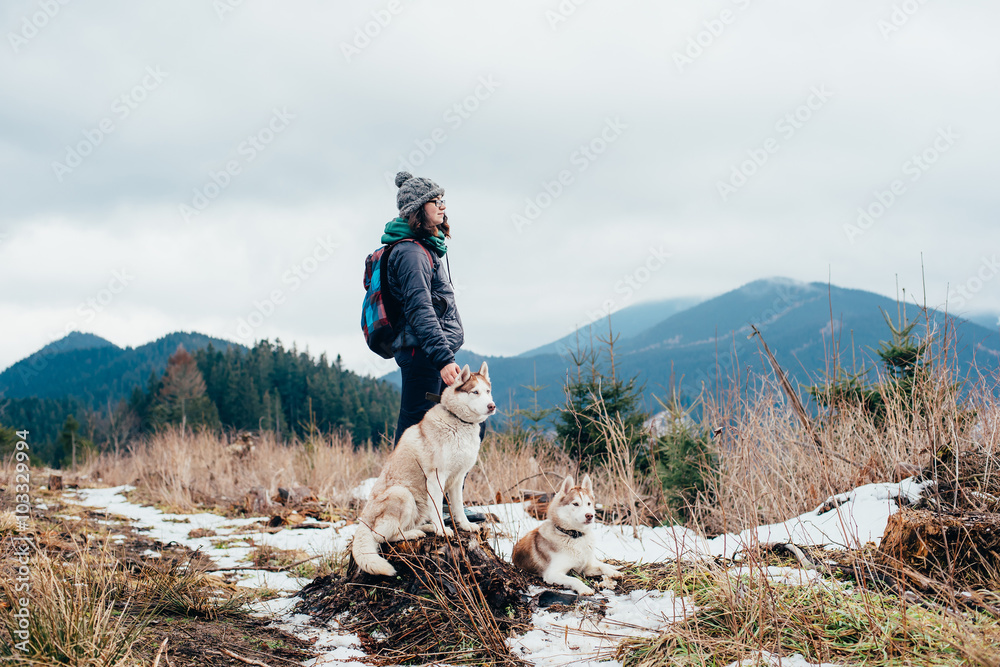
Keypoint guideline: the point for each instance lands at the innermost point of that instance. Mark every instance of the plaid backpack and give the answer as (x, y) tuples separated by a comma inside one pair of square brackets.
[(380, 309)]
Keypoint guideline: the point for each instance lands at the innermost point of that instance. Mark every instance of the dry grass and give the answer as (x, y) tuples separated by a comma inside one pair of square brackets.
[(739, 616), (769, 469), (186, 470), (189, 470), (635, 495), (768, 466), (80, 613), (184, 591), (509, 464), (70, 594)]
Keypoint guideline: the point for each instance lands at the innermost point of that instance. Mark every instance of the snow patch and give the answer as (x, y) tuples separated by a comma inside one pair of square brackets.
[(581, 638), (766, 658), (860, 516), (363, 491)]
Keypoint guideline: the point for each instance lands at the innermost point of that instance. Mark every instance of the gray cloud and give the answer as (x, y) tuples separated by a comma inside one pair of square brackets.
[(687, 126)]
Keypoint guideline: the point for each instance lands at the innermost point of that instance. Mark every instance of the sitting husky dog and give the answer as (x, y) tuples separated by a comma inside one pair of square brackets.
[(564, 541), (431, 459)]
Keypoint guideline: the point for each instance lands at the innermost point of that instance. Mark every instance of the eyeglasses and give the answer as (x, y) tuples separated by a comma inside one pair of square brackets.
[(437, 202)]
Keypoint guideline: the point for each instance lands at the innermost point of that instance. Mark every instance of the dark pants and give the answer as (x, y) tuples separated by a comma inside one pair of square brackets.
[(419, 378)]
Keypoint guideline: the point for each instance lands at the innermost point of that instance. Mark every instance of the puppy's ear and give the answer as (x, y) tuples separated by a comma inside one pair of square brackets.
[(485, 371), (463, 376), (566, 485), (587, 485)]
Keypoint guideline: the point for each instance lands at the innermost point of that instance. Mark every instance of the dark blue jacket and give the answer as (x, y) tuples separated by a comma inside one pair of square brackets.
[(430, 317)]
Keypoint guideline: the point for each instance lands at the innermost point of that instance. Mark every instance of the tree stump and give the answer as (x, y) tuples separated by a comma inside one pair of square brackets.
[(295, 495), (962, 548), (448, 593), (257, 501)]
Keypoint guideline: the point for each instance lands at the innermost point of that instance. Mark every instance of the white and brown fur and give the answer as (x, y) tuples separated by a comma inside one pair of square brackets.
[(431, 459), (552, 553)]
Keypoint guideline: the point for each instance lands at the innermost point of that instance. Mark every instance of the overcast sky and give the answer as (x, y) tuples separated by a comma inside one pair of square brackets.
[(226, 167)]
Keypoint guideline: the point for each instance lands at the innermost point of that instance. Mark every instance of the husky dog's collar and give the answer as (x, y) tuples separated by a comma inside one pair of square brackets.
[(574, 534), (460, 419), (436, 398)]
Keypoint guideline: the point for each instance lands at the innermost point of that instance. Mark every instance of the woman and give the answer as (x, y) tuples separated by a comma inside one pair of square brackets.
[(430, 332)]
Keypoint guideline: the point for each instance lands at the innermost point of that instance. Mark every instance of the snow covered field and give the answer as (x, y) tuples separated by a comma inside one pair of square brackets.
[(557, 638)]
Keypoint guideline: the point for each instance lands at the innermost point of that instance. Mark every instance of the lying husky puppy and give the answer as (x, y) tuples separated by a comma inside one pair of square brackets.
[(564, 541), (432, 458)]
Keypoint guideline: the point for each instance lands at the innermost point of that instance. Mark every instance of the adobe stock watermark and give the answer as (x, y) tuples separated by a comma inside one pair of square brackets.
[(786, 127), (91, 307), (88, 310), (246, 152), (961, 295), (712, 30), (629, 284), (32, 24), (581, 158), (370, 30), (454, 117), (899, 17), (292, 279), (22, 546), (915, 167), (376, 367), (785, 301), (223, 8), (121, 108), (562, 12)]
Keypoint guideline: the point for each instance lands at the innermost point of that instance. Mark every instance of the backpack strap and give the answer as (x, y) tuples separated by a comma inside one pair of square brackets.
[(430, 258), (390, 246)]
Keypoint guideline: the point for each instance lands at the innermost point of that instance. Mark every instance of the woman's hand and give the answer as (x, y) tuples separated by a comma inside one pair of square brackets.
[(449, 373)]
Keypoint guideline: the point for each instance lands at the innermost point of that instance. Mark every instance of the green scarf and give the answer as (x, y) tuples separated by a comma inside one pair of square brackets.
[(398, 229)]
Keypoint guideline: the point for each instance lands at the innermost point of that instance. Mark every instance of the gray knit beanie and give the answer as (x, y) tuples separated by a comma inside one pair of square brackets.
[(414, 192)]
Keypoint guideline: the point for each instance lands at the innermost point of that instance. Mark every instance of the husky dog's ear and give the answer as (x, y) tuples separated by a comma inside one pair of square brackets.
[(566, 485), (463, 376), (587, 485), (485, 371)]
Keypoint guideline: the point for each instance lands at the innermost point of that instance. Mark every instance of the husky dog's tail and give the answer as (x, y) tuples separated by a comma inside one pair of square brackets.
[(365, 550)]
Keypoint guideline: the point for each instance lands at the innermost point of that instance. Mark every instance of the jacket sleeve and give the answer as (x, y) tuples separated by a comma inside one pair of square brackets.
[(413, 272)]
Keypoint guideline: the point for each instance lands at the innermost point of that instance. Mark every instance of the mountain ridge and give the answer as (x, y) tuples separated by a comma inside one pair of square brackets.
[(637, 317), (696, 344), (709, 341), (93, 369)]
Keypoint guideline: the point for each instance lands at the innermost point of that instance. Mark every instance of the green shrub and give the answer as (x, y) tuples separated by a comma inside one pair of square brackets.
[(686, 461)]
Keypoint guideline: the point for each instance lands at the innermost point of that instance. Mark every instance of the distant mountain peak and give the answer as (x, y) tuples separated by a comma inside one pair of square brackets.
[(625, 322), (93, 369), (76, 340), (768, 285), (782, 280)]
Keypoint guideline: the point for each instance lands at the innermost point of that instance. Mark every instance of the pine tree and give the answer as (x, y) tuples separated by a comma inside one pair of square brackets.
[(905, 362), (71, 447), (8, 440), (535, 415), (598, 394), (686, 461), (181, 398)]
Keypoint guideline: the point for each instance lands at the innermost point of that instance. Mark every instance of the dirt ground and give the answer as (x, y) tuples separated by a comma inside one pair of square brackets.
[(196, 637)]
